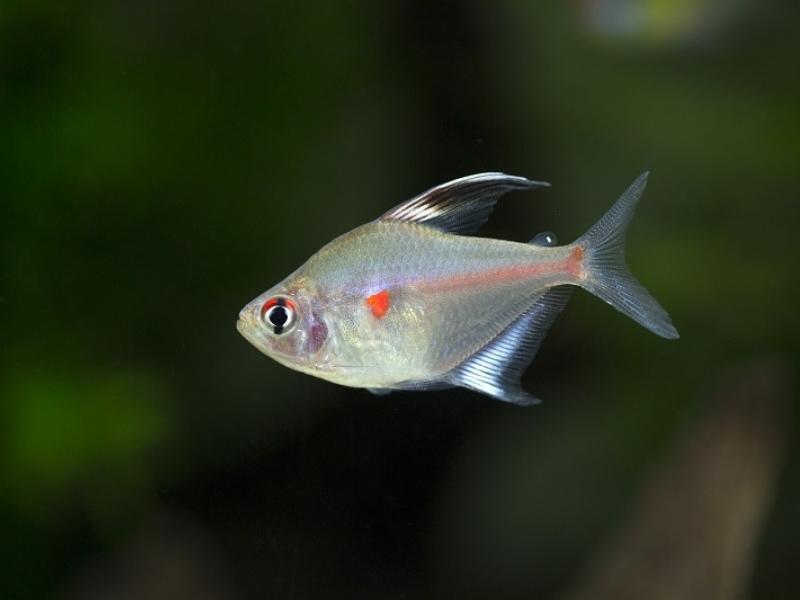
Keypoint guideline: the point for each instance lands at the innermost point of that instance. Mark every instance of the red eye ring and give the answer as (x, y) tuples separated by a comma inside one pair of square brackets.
[(279, 321), (278, 301)]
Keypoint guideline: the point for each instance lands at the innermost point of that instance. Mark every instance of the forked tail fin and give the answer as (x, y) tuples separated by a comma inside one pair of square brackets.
[(607, 275)]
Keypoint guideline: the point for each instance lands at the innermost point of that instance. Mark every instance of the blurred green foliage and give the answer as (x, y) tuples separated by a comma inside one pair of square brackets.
[(59, 431), (164, 162)]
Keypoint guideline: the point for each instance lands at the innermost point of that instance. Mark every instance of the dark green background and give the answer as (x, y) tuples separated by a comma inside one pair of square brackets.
[(163, 162)]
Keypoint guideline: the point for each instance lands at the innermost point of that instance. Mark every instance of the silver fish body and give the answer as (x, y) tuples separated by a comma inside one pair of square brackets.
[(410, 302)]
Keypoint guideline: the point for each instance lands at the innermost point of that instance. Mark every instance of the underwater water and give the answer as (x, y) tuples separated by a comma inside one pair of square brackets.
[(162, 163)]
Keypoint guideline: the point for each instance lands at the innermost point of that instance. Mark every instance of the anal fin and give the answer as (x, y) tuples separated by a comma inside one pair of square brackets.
[(496, 369)]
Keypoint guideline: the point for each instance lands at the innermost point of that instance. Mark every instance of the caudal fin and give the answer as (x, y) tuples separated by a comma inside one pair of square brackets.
[(607, 275)]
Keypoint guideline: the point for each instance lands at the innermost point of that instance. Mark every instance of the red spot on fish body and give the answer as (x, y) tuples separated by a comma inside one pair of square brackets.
[(575, 261), (379, 304)]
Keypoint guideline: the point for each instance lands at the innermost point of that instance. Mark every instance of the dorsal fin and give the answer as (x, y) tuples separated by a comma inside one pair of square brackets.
[(496, 368), (461, 205)]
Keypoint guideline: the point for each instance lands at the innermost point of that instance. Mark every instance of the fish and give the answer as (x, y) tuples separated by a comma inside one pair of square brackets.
[(415, 301)]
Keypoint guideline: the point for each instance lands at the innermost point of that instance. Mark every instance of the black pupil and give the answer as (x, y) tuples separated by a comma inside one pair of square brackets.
[(278, 316)]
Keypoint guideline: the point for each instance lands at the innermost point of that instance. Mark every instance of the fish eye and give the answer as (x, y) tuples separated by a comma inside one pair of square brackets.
[(279, 314)]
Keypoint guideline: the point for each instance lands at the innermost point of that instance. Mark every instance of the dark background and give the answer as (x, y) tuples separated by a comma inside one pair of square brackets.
[(163, 162)]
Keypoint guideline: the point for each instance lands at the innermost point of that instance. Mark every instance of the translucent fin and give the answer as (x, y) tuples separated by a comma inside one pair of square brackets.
[(412, 386), (423, 386), (461, 205), (496, 368), (547, 239), (607, 274)]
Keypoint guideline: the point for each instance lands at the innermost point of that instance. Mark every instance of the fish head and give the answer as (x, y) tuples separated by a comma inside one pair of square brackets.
[(286, 323)]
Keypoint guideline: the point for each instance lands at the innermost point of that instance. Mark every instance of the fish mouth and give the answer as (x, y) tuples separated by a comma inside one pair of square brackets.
[(240, 322), (244, 325)]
